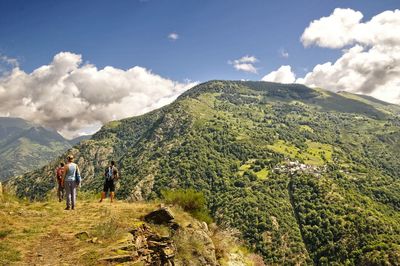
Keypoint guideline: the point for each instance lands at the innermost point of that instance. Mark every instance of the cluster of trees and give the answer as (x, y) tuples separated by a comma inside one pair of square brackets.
[(343, 225)]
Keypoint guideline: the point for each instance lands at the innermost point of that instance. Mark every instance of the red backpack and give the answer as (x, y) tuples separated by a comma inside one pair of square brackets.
[(60, 172)]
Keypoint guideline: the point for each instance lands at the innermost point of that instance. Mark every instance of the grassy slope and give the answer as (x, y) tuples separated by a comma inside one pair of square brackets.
[(43, 233)]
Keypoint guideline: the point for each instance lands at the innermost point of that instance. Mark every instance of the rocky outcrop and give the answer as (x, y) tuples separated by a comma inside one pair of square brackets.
[(142, 188), (184, 245), (160, 216), (202, 248), (145, 247)]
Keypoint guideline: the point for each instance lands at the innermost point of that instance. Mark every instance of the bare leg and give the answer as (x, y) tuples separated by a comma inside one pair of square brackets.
[(112, 194), (103, 196)]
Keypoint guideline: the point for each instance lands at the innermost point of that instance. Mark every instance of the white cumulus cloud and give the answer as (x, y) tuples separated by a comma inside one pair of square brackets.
[(173, 36), (246, 64), (370, 60), (71, 97), (283, 75), (344, 27)]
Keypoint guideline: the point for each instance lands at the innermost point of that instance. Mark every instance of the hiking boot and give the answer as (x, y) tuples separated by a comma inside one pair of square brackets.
[(67, 209)]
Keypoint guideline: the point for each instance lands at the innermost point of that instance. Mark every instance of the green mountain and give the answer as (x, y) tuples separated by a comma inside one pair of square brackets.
[(77, 140), (25, 146), (307, 175)]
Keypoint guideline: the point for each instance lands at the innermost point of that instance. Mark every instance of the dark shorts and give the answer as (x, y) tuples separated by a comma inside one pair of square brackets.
[(109, 185)]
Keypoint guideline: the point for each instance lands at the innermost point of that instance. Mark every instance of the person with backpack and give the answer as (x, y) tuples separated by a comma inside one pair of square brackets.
[(60, 182), (72, 179), (111, 175)]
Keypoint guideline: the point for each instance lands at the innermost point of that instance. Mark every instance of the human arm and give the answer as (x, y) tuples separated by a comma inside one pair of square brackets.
[(77, 175), (115, 173)]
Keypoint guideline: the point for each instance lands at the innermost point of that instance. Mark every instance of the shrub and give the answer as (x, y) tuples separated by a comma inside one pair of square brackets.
[(109, 229), (190, 201)]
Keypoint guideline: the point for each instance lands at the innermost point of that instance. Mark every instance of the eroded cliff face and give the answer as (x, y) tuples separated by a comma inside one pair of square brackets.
[(181, 243)]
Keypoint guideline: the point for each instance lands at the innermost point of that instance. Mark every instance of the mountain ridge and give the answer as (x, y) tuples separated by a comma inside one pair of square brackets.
[(308, 176), (25, 146)]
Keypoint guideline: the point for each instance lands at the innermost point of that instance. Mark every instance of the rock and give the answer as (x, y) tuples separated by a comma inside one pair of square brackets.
[(157, 244), (128, 246), (158, 238), (117, 259), (174, 226), (168, 252), (93, 240), (82, 235), (160, 216), (140, 242), (204, 226), (125, 238), (145, 252)]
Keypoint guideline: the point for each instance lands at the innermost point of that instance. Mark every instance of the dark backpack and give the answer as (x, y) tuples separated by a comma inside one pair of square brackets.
[(111, 173)]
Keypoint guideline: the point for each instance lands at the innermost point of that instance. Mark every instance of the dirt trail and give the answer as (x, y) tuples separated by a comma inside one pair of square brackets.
[(58, 245), (53, 249)]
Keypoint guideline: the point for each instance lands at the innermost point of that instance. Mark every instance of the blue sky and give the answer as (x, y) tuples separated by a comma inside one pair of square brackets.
[(124, 34), (110, 60)]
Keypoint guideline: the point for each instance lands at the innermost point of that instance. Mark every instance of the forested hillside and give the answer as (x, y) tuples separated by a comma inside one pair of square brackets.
[(308, 176)]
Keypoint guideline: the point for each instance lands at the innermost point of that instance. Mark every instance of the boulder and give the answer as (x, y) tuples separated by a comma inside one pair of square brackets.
[(160, 216), (174, 226)]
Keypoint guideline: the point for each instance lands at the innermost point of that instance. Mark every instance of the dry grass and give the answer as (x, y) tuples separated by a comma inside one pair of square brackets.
[(37, 233), (43, 233)]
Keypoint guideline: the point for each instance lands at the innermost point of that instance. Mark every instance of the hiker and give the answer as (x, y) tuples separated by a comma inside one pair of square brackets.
[(111, 175), (60, 182), (71, 178)]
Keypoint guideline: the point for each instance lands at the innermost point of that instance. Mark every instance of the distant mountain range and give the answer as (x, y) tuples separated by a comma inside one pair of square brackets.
[(25, 146), (308, 176)]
